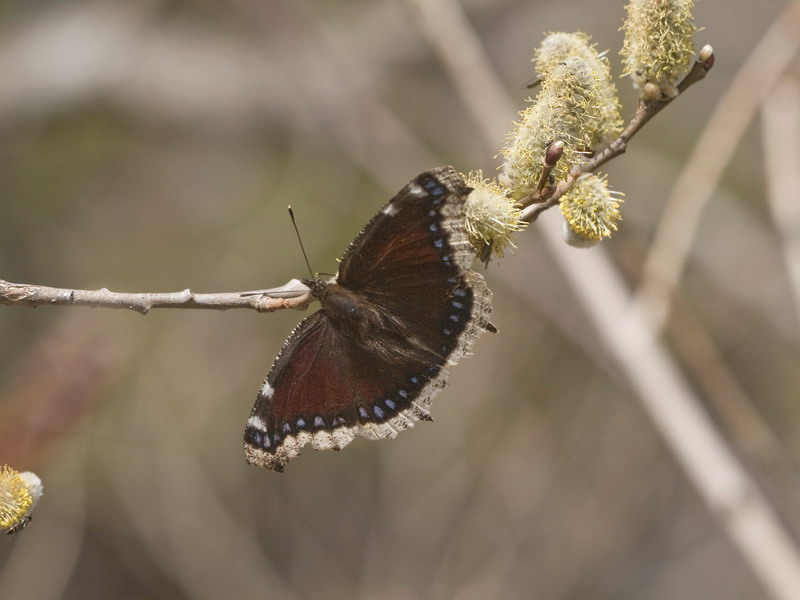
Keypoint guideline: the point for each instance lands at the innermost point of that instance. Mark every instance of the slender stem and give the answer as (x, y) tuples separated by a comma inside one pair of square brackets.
[(292, 295)]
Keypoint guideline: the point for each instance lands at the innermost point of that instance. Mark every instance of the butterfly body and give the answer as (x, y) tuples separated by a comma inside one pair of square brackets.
[(377, 332), (403, 307)]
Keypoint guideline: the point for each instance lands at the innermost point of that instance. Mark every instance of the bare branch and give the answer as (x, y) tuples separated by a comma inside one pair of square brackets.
[(295, 294)]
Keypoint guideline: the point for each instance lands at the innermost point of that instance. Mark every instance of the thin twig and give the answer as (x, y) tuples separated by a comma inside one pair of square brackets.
[(292, 295), (32, 295)]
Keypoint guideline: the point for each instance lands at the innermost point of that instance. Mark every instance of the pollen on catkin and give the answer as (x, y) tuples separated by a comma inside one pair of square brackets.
[(658, 44), (573, 107), (590, 211), (492, 216), (19, 493)]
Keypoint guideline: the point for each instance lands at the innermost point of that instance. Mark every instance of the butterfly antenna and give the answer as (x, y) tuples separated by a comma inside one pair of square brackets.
[(299, 239)]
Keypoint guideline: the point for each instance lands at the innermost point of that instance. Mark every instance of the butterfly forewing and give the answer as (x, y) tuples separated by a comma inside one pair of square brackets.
[(416, 237), (410, 259)]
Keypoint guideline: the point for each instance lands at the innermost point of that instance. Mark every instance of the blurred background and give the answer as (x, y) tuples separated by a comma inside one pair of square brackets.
[(154, 146)]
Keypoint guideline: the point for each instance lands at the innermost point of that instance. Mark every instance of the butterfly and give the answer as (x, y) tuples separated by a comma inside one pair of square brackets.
[(403, 307)]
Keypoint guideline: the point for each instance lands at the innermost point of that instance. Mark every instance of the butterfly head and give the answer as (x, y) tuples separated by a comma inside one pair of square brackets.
[(318, 287)]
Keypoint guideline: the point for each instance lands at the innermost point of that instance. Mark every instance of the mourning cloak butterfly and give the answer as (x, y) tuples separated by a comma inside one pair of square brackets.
[(403, 307)]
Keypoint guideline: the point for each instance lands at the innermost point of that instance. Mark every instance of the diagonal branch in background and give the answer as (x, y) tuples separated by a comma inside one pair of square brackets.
[(293, 294)]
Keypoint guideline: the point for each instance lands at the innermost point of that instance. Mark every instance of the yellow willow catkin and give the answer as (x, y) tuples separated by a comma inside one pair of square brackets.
[(15, 497), (556, 48), (572, 107), (658, 44), (590, 211), (492, 216)]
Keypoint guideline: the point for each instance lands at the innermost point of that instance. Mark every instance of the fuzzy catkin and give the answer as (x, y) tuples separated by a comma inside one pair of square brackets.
[(658, 44), (573, 107), (590, 210)]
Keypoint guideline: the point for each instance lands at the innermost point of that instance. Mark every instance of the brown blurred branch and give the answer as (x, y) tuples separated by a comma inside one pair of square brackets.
[(645, 110), (780, 122), (294, 294)]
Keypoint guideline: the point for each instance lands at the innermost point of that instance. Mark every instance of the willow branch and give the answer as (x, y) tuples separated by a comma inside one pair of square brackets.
[(294, 294), (645, 110)]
